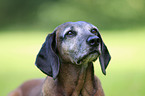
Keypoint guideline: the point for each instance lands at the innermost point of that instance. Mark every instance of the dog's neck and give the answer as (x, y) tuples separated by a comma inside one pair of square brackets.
[(76, 79)]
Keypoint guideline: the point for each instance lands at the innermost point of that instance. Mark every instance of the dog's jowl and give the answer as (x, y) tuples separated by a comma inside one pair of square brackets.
[(67, 57)]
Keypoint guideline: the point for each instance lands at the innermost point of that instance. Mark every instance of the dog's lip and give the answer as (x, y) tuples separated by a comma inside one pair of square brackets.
[(85, 56)]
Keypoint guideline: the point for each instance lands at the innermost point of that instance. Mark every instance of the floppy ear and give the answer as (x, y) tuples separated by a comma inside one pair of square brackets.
[(104, 57), (47, 60)]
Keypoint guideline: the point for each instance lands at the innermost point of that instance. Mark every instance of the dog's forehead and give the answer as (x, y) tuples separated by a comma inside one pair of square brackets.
[(80, 25), (77, 25)]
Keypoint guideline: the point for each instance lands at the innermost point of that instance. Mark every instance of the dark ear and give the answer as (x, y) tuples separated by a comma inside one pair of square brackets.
[(47, 60), (104, 57)]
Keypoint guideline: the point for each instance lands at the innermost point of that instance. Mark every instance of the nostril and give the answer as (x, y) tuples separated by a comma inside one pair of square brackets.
[(93, 41)]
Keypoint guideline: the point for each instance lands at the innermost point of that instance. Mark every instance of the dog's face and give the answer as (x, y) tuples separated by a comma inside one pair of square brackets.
[(78, 42), (72, 42)]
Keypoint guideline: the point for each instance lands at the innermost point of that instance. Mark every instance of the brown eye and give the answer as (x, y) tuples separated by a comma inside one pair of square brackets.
[(94, 31), (70, 33)]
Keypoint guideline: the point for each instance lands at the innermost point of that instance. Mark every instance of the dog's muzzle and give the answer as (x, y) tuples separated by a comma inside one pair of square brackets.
[(94, 52)]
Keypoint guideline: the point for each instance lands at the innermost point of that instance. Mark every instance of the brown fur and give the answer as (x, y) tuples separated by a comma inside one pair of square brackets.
[(29, 88), (72, 81)]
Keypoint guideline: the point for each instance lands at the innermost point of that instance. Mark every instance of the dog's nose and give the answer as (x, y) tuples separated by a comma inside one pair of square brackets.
[(93, 41)]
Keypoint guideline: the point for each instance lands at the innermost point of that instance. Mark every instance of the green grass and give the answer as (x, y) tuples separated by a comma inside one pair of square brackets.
[(125, 73)]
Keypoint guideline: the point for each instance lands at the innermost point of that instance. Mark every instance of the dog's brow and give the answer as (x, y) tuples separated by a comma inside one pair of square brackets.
[(66, 30), (69, 28)]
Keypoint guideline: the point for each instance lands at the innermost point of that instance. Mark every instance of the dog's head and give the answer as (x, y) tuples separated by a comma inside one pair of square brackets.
[(73, 42)]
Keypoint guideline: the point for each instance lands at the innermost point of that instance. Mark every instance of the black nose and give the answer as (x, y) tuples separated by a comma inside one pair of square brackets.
[(93, 41)]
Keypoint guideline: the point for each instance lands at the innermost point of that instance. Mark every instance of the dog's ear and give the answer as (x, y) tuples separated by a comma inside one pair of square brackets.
[(105, 57), (47, 60)]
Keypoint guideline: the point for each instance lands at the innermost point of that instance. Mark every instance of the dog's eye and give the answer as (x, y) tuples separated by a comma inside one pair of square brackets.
[(94, 31), (70, 33)]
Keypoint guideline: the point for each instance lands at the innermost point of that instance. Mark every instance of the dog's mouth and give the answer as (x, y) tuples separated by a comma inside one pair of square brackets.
[(92, 56)]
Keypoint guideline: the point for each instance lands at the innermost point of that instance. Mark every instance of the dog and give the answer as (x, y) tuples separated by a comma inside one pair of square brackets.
[(67, 57)]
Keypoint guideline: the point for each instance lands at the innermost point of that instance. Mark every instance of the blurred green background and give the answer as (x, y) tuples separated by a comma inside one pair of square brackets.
[(24, 24)]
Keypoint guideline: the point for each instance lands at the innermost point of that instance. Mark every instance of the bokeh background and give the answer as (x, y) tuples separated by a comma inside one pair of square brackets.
[(24, 24)]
